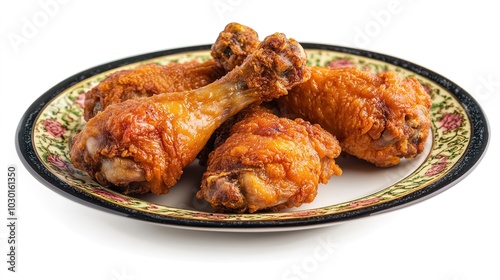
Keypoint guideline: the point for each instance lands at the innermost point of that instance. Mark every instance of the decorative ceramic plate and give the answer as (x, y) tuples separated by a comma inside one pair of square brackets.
[(458, 140)]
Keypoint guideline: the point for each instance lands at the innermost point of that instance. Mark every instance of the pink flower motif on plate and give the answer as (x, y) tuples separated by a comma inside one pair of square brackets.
[(209, 215), (427, 88), (111, 195), (303, 213), (152, 207), (439, 166), (451, 121), (59, 163), (341, 63), (81, 100), (54, 128), (364, 202)]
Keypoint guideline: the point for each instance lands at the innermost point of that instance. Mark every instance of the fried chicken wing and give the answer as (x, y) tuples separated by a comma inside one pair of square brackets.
[(147, 80), (380, 118), (142, 145), (268, 163)]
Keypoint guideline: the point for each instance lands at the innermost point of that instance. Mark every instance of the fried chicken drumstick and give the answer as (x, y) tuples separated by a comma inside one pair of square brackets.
[(142, 145), (268, 163), (233, 45), (380, 118)]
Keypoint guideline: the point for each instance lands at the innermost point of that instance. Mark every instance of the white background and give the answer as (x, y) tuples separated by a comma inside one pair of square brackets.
[(453, 236)]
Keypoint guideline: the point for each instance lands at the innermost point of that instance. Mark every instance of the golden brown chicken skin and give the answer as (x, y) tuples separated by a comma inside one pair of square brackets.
[(380, 118), (147, 80), (142, 145), (268, 163)]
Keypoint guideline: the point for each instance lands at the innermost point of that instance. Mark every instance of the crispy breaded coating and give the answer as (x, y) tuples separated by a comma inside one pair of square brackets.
[(147, 80), (380, 118), (268, 163)]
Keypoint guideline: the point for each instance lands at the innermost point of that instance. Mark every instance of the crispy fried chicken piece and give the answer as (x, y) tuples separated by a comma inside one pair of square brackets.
[(142, 145), (379, 118), (147, 80), (268, 163)]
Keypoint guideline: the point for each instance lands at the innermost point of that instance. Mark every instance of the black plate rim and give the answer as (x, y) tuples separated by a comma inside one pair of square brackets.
[(476, 150)]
